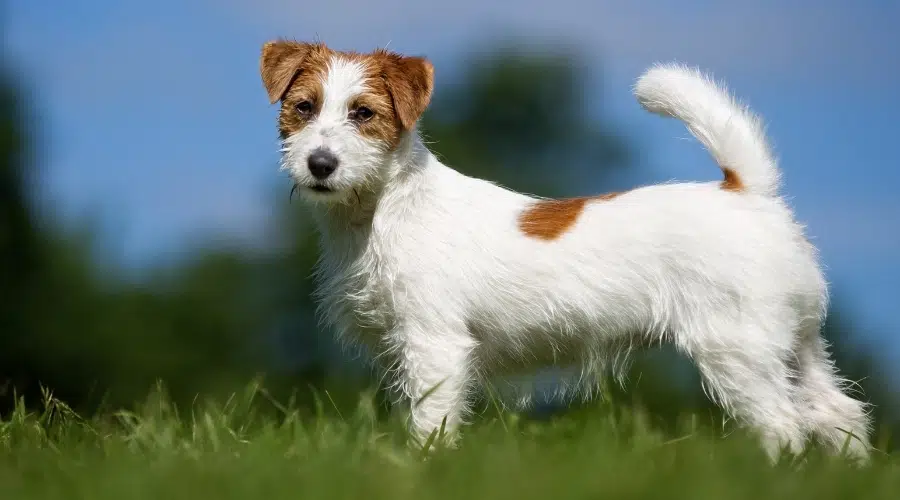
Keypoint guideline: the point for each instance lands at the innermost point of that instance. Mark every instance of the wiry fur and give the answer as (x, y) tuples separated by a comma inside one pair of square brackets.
[(430, 270)]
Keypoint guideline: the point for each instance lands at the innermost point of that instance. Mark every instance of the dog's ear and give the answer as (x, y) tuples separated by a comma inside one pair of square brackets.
[(410, 81), (280, 63)]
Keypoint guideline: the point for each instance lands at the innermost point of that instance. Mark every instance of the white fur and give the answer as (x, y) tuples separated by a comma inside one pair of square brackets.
[(429, 269)]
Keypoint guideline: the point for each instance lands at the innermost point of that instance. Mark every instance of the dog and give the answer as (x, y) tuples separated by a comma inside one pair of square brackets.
[(449, 280)]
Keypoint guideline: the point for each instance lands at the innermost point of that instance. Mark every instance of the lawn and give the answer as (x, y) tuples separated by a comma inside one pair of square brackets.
[(242, 449)]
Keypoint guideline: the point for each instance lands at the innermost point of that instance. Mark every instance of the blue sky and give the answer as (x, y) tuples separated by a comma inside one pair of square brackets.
[(153, 117)]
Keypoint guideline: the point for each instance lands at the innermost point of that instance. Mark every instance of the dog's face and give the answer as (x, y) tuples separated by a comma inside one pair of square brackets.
[(342, 114)]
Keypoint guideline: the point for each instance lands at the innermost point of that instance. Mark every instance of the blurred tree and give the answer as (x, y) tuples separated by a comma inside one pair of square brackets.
[(84, 332), (20, 245)]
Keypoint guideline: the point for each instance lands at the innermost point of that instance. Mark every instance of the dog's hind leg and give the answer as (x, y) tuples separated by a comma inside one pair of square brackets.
[(832, 416), (745, 370)]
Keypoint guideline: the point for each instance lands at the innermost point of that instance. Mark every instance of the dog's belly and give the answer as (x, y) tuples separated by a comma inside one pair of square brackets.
[(528, 346), (515, 352)]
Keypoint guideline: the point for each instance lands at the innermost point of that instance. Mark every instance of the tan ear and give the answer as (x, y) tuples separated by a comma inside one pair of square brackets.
[(280, 63), (410, 80)]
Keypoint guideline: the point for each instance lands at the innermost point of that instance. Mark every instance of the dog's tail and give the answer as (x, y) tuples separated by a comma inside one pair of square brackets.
[(731, 132)]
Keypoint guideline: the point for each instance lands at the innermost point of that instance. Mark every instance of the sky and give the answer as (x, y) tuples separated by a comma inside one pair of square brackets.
[(152, 119)]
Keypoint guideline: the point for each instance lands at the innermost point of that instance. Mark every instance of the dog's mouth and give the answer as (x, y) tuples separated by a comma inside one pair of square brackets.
[(319, 188), (324, 191)]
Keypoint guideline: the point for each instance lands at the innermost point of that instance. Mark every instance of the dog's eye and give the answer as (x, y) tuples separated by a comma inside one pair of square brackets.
[(304, 108), (362, 114)]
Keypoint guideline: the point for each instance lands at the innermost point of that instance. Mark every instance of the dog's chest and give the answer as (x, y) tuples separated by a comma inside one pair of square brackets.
[(356, 298)]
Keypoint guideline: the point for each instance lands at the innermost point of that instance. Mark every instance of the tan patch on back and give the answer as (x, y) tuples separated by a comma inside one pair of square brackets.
[(549, 219), (732, 181)]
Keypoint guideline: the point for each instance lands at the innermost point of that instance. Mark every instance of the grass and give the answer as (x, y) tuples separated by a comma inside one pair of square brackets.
[(238, 449)]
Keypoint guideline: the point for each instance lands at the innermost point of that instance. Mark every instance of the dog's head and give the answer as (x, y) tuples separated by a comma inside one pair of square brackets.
[(342, 114)]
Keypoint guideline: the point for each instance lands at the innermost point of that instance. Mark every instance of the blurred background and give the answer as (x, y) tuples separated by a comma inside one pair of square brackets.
[(145, 230)]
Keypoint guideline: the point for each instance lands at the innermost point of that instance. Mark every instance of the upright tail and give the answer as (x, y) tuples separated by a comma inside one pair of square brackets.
[(731, 132)]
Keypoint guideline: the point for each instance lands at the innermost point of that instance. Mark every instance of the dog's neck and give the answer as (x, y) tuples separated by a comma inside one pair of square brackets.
[(348, 225)]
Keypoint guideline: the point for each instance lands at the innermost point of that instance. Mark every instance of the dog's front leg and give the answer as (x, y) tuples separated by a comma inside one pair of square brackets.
[(435, 370)]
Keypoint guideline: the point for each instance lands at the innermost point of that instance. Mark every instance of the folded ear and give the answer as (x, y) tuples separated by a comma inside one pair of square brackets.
[(410, 80), (280, 63)]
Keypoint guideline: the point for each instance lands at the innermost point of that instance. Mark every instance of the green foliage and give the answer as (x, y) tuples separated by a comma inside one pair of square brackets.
[(251, 446)]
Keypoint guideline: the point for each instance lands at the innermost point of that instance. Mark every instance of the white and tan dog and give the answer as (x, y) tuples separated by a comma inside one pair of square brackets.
[(451, 280)]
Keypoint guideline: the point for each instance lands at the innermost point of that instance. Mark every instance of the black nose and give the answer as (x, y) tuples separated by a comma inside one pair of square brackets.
[(321, 163)]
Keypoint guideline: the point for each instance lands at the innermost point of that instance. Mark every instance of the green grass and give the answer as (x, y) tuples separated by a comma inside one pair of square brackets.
[(239, 449)]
